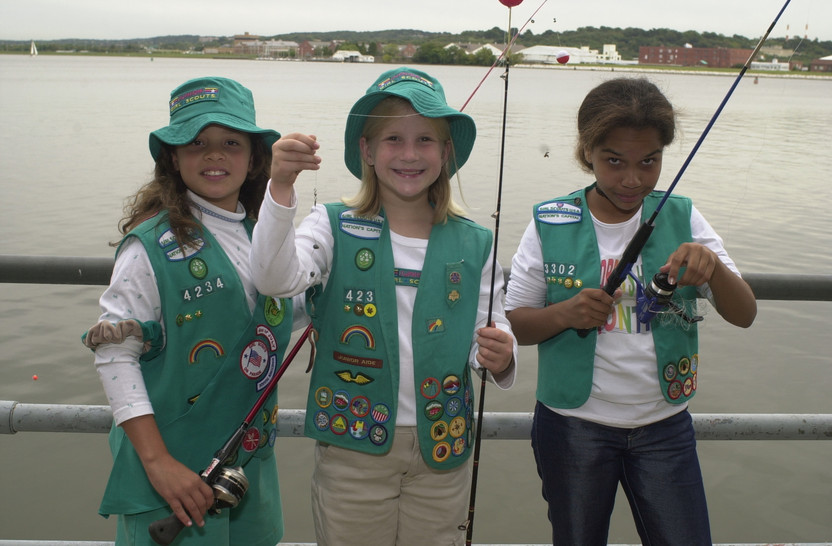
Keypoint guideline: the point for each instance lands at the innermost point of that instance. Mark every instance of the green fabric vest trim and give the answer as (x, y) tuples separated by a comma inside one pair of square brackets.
[(572, 261), (353, 393), (217, 359)]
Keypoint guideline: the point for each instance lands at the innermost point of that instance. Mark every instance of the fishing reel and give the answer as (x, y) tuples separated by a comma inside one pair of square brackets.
[(657, 297), (229, 487)]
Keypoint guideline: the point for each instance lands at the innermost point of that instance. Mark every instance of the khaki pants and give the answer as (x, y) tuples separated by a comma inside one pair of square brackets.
[(387, 500)]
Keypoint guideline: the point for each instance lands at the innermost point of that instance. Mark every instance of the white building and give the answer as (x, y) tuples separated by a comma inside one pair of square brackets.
[(347, 56), (773, 65)]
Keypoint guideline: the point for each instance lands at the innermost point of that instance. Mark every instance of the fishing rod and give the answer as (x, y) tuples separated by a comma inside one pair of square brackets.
[(468, 524), (229, 484), (634, 247)]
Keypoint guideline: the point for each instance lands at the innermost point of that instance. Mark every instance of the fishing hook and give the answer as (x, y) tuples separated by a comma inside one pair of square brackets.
[(634, 247)]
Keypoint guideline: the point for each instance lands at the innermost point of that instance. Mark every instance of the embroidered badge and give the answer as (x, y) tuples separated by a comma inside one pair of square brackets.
[(360, 406), (364, 259), (439, 430), (684, 365), (321, 420), (430, 388), (323, 397), (458, 446), (254, 359), (194, 96), (669, 372), (357, 360), (358, 378), (339, 424), (441, 451), (674, 390), (198, 268), (381, 413), (434, 410), (457, 427), (274, 310), (451, 385), (453, 279), (403, 76), (341, 400), (360, 227), (206, 345), (359, 429), (378, 435), (370, 310), (435, 326), (361, 333), (251, 440), (453, 405), (559, 213)]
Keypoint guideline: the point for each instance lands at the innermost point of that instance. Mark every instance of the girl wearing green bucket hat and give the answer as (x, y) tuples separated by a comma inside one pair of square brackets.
[(398, 285), (184, 336)]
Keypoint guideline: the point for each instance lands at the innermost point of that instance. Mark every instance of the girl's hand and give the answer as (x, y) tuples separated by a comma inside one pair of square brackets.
[(698, 260), (496, 349), (590, 308), (291, 154), (184, 490)]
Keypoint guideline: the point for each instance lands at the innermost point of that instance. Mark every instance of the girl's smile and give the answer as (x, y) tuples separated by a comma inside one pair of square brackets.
[(407, 156), (215, 165)]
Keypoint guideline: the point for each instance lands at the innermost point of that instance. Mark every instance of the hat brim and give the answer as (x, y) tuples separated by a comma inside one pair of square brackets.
[(462, 126), (185, 133)]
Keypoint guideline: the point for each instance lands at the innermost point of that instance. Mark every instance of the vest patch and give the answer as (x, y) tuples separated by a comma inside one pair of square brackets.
[(359, 226), (559, 213)]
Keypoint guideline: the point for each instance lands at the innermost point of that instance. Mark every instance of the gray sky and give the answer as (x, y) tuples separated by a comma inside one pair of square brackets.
[(113, 19)]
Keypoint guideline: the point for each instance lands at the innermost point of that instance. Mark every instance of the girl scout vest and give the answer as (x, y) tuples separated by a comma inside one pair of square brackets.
[(571, 261), (353, 393), (217, 359)]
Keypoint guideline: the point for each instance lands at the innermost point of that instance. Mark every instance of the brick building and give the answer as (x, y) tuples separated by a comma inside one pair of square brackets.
[(717, 57)]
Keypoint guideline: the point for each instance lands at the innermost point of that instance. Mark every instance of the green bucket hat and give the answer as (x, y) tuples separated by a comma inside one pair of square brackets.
[(426, 96), (201, 102)]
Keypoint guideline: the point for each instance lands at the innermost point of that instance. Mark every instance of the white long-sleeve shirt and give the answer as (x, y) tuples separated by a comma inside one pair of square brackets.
[(285, 261), (133, 294)]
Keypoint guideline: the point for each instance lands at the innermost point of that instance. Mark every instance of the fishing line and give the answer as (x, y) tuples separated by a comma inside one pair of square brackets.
[(634, 247)]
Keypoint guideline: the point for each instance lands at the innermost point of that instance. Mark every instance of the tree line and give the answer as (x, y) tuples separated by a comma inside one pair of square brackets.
[(431, 45)]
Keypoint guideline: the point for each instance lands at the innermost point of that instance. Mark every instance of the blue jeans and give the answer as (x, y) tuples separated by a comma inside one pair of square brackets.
[(581, 464)]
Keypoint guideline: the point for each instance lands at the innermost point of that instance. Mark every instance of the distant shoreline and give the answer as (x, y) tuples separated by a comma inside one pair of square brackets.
[(649, 69)]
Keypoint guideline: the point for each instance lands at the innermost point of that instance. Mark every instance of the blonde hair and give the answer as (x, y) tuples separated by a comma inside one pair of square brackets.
[(367, 202)]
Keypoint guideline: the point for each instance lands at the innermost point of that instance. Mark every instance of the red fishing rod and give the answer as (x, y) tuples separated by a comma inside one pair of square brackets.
[(229, 484), (634, 247), (468, 524)]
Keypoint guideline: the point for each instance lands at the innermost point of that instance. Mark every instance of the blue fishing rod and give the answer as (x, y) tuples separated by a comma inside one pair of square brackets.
[(634, 247), (468, 524)]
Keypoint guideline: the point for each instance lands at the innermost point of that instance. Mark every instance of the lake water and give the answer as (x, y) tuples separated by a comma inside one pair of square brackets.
[(73, 145)]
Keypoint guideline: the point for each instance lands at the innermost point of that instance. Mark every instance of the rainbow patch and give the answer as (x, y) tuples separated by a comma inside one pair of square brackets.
[(205, 345), (360, 331)]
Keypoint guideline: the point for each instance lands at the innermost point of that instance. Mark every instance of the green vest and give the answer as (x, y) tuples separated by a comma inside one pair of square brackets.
[(571, 261), (217, 359), (353, 393)]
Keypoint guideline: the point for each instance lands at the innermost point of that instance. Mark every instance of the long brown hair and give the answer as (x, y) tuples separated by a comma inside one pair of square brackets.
[(167, 192)]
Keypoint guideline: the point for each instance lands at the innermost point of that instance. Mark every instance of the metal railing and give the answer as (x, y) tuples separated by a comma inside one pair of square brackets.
[(21, 417)]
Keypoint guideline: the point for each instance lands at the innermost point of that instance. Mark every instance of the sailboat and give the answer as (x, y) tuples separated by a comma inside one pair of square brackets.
[(33, 49)]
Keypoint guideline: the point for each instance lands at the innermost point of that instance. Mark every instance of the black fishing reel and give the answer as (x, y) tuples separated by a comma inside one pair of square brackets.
[(229, 486), (657, 297)]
